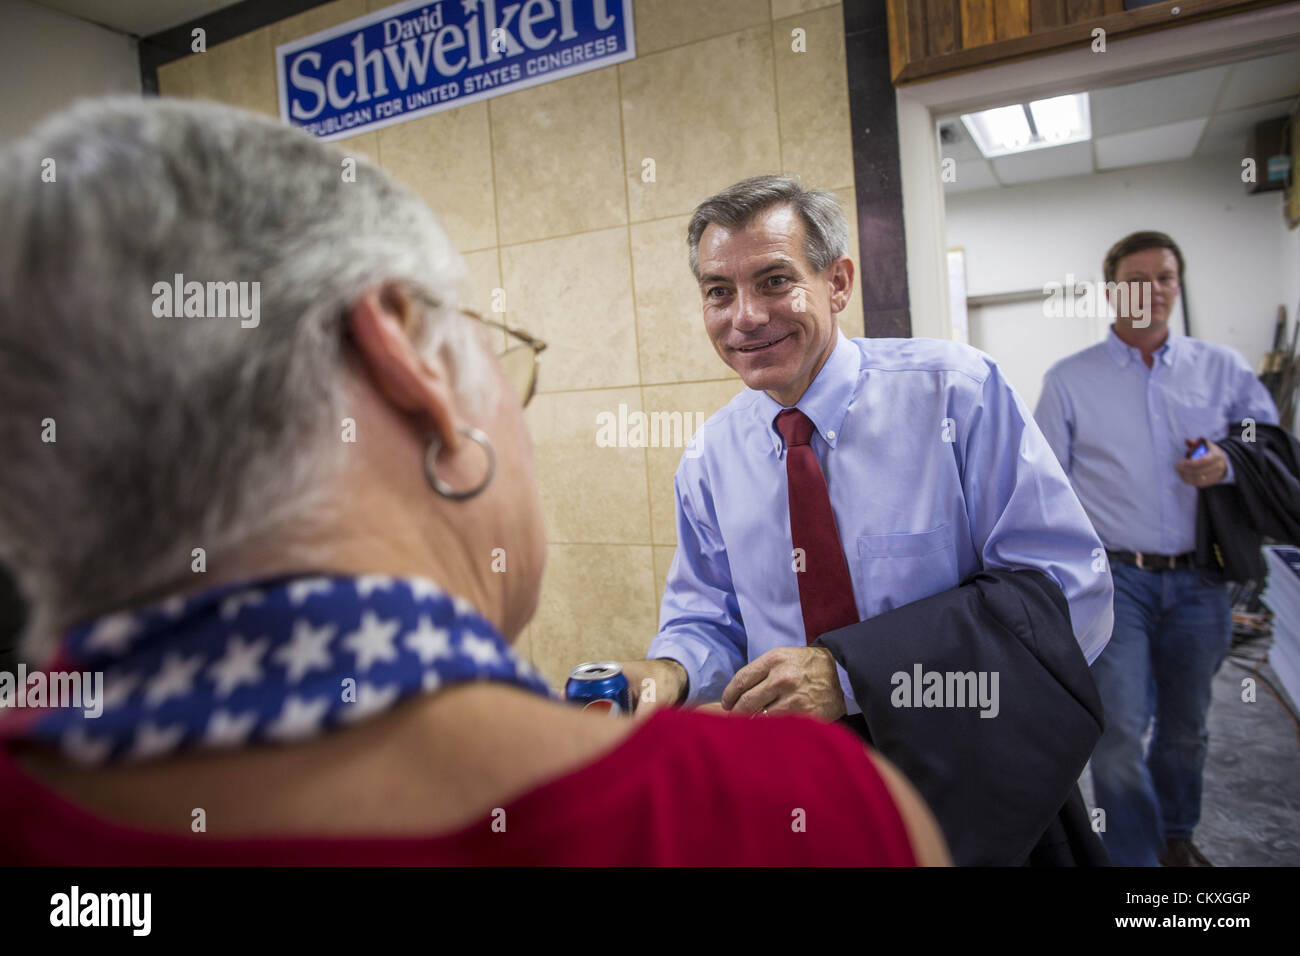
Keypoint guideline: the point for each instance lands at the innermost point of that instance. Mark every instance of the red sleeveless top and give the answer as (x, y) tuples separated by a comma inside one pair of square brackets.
[(685, 788)]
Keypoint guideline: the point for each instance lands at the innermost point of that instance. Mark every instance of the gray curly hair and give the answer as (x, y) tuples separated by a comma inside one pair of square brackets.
[(173, 433)]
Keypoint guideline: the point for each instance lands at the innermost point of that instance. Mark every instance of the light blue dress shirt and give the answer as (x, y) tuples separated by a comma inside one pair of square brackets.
[(935, 470), (1117, 428)]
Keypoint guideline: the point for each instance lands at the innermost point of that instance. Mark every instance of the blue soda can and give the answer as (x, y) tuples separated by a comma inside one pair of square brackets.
[(599, 686)]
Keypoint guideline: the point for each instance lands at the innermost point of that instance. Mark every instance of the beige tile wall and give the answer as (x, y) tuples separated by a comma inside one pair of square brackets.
[(543, 192)]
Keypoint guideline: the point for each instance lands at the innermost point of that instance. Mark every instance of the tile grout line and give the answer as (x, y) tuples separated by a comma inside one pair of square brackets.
[(607, 544), (625, 388), (776, 91), (496, 227), (771, 21), (587, 232), (656, 600), (636, 311), (496, 210)]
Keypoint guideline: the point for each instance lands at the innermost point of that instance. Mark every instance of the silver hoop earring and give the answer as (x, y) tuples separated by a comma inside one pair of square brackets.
[(440, 486)]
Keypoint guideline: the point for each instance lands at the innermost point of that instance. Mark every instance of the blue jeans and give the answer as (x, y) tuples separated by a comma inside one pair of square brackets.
[(1172, 631)]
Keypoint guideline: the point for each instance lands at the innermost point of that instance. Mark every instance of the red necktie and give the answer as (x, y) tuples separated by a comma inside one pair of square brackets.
[(825, 588)]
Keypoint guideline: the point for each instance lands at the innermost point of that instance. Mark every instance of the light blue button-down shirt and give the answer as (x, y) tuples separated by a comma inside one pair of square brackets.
[(1118, 427), (935, 470)]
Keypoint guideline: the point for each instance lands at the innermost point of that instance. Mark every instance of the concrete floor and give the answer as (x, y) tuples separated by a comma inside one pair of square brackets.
[(1250, 808)]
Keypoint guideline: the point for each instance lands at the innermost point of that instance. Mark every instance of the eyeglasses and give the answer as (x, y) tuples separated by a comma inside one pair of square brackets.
[(518, 361)]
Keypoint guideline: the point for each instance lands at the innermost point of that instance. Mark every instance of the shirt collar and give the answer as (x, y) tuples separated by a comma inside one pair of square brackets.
[(827, 399), (1122, 353)]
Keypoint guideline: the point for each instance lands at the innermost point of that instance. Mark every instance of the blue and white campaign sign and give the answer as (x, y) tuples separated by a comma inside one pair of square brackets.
[(417, 58)]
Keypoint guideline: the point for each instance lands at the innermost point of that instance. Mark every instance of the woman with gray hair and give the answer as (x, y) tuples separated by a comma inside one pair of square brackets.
[(267, 481)]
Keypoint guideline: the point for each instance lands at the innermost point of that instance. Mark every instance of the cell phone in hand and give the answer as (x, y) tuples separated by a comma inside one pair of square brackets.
[(1200, 451)]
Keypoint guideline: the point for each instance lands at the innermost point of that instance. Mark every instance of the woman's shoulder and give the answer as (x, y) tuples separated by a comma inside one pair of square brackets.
[(778, 755), (764, 761), (679, 786), (686, 787)]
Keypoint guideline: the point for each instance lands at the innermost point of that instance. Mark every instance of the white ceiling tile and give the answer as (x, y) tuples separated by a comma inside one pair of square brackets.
[(1053, 162), (137, 17), (1259, 81), (1227, 132), (1159, 144), (1134, 106), (963, 151), (960, 146)]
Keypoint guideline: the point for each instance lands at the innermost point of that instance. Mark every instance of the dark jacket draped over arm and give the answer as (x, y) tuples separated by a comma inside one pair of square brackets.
[(1003, 788), (1263, 501)]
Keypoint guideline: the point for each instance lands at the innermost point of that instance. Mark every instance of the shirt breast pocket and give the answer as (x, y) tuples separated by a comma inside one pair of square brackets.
[(898, 569), (1195, 417)]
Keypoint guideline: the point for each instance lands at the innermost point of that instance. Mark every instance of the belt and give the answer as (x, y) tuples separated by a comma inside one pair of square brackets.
[(1153, 562)]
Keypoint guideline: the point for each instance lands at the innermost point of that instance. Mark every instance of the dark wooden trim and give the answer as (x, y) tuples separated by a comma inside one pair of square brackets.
[(1046, 15), (942, 26), (219, 26), (1076, 11), (873, 115), (898, 38), (1011, 18), (916, 32), (976, 23), (1128, 23)]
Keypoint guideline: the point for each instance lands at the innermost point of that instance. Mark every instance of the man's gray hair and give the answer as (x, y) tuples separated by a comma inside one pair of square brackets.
[(130, 439), (825, 227)]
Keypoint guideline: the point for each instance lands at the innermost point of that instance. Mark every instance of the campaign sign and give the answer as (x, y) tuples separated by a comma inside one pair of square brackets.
[(413, 59)]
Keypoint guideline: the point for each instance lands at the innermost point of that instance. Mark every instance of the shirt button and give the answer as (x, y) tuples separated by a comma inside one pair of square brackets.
[(830, 435)]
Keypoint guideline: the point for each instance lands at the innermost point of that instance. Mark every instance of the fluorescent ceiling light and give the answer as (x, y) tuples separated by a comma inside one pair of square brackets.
[(1037, 125)]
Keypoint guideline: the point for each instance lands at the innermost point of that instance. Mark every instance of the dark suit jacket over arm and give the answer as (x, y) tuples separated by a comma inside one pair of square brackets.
[(999, 786), (1264, 501)]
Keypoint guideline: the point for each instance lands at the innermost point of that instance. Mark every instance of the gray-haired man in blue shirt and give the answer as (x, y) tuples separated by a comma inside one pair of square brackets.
[(932, 465), (1125, 418)]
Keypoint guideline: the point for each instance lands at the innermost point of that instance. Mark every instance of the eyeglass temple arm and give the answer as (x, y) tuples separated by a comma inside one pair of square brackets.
[(537, 344)]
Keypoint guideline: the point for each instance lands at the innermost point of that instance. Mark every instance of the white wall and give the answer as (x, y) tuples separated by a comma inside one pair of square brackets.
[(49, 59), (1290, 244), (927, 258), (1241, 263)]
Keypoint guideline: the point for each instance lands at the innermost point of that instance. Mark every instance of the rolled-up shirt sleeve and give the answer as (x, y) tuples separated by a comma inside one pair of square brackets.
[(700, 625), (1023, 512)]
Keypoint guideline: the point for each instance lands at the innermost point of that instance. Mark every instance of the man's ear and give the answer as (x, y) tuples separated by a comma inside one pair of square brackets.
[(840, 275), (383, 321)]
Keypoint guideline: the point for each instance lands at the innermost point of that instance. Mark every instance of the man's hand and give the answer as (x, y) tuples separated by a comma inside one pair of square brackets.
[(1209, 469), (667, 684), (788, 680)]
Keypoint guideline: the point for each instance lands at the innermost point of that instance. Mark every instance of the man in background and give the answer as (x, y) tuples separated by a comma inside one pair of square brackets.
[(1125, 419)]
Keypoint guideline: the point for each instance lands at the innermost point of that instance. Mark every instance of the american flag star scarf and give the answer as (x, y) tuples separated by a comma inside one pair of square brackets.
[(270, 661)]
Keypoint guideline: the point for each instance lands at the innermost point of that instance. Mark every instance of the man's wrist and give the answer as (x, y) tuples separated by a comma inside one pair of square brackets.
[(676, 674)]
